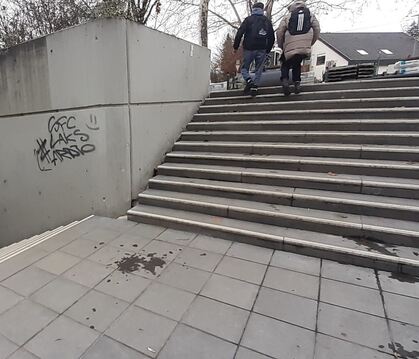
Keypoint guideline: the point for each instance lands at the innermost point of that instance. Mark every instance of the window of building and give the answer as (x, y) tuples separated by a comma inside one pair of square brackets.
[(321, 60), (387, 52), (363, 52)]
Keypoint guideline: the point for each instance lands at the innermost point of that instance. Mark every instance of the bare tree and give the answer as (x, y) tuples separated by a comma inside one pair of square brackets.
[(413, 30), (229, 14), (23, 20)]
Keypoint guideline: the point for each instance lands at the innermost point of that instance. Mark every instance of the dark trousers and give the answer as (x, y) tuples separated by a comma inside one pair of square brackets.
[(293, 63)]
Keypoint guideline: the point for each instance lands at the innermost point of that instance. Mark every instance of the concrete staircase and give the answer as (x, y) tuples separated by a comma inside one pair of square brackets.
[(332, 172)]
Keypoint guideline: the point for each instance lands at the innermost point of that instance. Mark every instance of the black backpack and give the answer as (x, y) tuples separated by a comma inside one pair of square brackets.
[(300, 22), (260, 29)]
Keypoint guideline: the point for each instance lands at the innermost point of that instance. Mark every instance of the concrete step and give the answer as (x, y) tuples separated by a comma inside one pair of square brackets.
[(319, 95), (387, 207), (308, 125), (343, 137), (354, 251), (296, 163), (385, 152), (344, 85), (391, 102), (325, 114), (369, 185), (346, 225)]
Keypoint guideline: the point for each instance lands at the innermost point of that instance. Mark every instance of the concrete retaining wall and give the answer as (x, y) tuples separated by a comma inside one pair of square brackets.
[(86, 114)]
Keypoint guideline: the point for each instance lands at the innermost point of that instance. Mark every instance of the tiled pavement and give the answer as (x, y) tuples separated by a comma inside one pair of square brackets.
[(113, 289)]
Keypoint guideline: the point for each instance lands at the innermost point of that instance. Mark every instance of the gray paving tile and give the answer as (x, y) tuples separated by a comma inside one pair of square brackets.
[(349, 274), (60, 240), (123, 286), (199, 258), (178, 237), (96, 310), (82, 248), (88, 273), (278, 339), (24, 320), (219, 319), (250, 253), (292, 282), (240, 269), (363, 299), (332, 348), (118, 224), (188, 343), (406, 340), (63, 338), (296, 262), (142, 330), (353, 326), (21, 261), (108, 348), (287, 307), (132, 242), (212, 244), (28, 281), (167, 301), (244, 353), (101, 234), (22, 354), (399, 284), (6, 347), (403, 309), (57, 262), (8, 299), (231, 291), (109, 255), (184, 277), (146, 230), (59, 294)]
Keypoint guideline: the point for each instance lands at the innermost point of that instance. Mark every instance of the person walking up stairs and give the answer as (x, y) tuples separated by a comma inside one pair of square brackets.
[(296, 34), (258, 41)]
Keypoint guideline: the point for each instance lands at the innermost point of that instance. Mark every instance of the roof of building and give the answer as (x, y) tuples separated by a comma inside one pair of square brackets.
[(389, 47)]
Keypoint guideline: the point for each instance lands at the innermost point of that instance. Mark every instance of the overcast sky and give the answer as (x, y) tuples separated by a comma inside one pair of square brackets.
[(379, 16)]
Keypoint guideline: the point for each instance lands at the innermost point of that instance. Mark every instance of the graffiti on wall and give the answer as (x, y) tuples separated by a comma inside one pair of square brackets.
[(68, 138)]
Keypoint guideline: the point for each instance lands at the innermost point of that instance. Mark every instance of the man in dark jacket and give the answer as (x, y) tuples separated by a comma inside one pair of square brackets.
[(258, 41)]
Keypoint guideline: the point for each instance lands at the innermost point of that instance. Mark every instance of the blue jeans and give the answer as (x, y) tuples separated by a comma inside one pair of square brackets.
[(249, 56)]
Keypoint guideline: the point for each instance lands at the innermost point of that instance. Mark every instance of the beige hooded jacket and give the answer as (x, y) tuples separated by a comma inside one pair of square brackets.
[(297, 44)]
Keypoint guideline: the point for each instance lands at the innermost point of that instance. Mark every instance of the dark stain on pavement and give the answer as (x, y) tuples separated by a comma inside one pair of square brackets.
[(373, 244), (135, 262), (403, 278), (399, 349)]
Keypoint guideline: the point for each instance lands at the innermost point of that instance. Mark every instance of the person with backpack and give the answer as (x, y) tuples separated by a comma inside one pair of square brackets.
[(296, 34), (258, 41)]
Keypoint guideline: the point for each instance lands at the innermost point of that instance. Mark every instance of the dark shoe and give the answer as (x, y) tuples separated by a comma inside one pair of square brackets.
[(253, 90), (286, 87), (249, 84), (297, 88)]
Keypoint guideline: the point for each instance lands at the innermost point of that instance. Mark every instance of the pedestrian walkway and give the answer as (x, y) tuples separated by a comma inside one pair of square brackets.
[(110, 288)]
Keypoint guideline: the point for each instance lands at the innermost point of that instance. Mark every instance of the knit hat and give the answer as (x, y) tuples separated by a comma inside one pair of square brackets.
[(258, 5)]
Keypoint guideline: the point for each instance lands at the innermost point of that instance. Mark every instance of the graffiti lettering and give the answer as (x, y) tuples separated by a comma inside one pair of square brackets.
[(65, 141)]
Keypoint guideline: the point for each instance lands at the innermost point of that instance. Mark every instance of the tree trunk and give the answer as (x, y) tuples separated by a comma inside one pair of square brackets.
[(203, 22)]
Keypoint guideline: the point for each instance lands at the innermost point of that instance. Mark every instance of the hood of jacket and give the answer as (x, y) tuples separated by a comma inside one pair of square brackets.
[(296, 5), (257, 11)]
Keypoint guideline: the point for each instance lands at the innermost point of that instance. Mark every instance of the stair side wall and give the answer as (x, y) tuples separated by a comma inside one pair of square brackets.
[(77, 117)]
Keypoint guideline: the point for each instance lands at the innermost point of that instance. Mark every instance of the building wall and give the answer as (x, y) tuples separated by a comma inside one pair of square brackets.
[(86, 114), (320, 49)]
